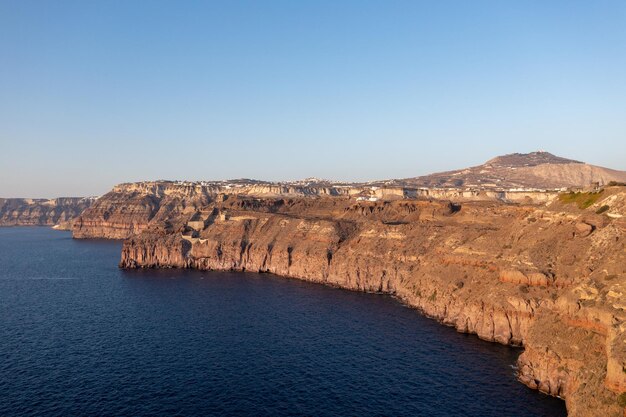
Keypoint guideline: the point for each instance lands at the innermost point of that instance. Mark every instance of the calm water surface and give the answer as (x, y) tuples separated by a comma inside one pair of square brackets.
[(78, 336)]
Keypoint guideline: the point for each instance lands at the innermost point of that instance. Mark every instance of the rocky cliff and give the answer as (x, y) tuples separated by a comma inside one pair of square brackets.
[(517, 178), (551, 278), (41, 212), (486, 249), (131, 208)]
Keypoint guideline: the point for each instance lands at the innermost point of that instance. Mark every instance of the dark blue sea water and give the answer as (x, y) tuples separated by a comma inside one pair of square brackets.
[(78, 336)]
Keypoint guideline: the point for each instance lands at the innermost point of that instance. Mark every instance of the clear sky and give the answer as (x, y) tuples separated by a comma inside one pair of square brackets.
[(94, 93)]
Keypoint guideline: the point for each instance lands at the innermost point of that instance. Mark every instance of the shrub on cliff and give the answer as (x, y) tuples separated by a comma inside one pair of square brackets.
[(602, 209), (582, 200)]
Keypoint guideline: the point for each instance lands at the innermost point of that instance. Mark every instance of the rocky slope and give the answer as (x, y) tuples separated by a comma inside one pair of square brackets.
[(551, 278), (130, 208), (537, 170), (41, 212)]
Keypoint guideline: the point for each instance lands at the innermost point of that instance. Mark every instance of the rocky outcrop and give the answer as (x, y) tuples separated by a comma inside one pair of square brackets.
[(129, 208), (42, 212), (515, 276)]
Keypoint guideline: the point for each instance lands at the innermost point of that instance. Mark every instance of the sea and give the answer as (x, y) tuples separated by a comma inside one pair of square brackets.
[(81, 337)]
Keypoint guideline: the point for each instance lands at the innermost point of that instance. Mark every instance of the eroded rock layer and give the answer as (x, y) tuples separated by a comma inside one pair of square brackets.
[(41, 212)]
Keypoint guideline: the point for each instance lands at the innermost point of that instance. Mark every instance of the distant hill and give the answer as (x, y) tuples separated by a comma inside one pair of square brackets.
[(41, 211), (540, 170)]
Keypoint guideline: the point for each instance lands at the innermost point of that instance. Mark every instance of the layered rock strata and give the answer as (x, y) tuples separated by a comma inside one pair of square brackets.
[(551, 278), (510, 274), (130, 208), (42, 212)]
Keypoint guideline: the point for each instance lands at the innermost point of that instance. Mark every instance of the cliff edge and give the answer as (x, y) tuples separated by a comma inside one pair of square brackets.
[(550, 278), (544, 269), (57, 212)]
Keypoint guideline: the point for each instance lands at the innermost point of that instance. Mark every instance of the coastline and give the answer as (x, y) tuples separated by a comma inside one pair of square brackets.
[(460, 283)]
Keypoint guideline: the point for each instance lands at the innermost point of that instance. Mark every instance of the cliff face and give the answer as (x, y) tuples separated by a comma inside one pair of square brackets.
[(517, 178), (129, 208), (41, 212), (550, 278)]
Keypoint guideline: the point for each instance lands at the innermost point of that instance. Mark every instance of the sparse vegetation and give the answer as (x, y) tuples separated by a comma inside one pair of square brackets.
[(582, 200), (621, 399), (602, 209), (616, 184), (433, 296)]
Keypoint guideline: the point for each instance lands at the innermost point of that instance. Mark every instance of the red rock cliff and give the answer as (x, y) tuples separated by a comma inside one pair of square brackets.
[(41, 212), (551, 279)]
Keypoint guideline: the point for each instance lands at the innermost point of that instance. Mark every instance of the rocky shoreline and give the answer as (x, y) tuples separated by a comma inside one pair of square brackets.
[(550, 280), (549, 277)]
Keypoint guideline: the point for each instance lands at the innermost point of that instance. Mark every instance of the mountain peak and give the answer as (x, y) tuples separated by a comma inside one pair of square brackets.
[(534, 170), (528, 160)]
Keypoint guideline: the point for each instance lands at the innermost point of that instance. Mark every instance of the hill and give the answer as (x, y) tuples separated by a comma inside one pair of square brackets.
[(536, 170)]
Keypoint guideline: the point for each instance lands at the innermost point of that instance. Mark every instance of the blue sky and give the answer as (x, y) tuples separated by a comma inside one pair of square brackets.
[(97, 93)]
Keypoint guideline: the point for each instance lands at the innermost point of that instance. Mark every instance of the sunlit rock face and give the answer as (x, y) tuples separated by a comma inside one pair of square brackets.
[(533, 178), (42, 212), (551, 278), (534, 268)]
